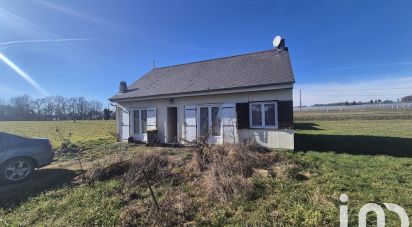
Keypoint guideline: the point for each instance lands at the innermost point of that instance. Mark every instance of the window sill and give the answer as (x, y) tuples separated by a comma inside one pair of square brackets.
[(266, 127)]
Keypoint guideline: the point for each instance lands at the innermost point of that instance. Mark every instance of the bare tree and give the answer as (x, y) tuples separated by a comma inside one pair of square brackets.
[(38, 108), (72, 105), (60, 107), (21, 107), (49, 108), (81, 107)]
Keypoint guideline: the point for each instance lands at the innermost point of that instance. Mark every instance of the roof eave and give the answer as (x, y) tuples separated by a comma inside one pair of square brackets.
[(275, 86)]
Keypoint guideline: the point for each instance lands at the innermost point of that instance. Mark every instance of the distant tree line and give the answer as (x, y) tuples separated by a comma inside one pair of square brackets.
[(407, 98), (376, 101), (25, 108)]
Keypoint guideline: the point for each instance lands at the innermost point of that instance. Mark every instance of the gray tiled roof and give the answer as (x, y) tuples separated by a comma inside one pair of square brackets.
[(247, 70)]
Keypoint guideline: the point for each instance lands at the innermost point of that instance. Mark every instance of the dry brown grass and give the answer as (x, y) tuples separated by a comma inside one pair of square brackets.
[(182, 184), (227, 170), (157, 167), (113, 170)]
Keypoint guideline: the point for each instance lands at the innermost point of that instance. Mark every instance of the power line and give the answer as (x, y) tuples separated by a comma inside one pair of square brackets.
[(300, 100)]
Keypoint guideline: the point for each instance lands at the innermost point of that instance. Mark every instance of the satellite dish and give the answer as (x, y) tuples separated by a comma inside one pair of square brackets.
[(276, 41)]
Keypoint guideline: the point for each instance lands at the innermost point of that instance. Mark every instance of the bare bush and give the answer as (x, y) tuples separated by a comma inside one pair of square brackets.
[(113, 170), (154, 166), (67, 147), (223, 184), (112, 166), (228, 172), (222, 174)]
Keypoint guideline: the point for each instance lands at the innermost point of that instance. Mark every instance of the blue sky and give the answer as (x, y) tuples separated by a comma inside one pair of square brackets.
[(340, 50)]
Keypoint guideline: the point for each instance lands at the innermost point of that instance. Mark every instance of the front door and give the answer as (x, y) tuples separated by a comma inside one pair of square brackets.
[(229, 123), (190, 123), (124, 124), (172, 125), (210, 123)]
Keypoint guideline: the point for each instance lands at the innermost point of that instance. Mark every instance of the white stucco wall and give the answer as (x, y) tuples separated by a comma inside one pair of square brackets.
[(271, 138)]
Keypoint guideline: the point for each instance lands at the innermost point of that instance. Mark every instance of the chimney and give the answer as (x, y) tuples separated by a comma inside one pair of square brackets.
[(123, 87)]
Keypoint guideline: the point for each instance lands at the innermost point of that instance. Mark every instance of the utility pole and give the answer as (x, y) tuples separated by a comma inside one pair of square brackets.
[(154, 64), (300, 101)]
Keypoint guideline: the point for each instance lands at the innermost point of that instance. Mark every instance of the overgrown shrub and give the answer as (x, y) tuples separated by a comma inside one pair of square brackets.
[(155, 166), (228, 169), (163, 188), (113, 170)]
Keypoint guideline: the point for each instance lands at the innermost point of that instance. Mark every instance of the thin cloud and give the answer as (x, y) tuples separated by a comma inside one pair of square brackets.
[(366, 66), (43, 41), (23, 74), (23, 26), (321, 93), (36, 41), (72, 12), (125, 30)]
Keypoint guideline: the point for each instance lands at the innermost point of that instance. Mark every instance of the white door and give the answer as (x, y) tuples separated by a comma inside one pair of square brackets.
[(210, 122), (151, 118), (216, 125), (124, 124), (229, 123), (190, 123), (143, 120)]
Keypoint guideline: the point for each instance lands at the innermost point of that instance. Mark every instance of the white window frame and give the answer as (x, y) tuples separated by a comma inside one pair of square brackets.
[(263, 125), (140, 121), (209, 119)]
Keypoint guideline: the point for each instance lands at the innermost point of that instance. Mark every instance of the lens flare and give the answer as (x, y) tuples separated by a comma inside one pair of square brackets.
[(23, 74)]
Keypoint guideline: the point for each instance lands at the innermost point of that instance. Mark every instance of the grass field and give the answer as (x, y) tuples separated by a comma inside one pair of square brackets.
[(390, 137), (352, 115), (367, 159), (86, 134)]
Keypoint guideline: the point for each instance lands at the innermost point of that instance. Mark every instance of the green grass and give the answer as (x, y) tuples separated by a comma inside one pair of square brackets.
[(367, 159), (73, 206), (385, 137), (381, 128), (85, 134)]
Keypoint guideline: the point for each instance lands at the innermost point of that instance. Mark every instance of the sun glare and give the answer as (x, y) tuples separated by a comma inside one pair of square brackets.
[(23, 74)]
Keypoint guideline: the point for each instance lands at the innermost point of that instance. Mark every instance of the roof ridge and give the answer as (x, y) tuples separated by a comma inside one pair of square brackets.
[(213, 59)]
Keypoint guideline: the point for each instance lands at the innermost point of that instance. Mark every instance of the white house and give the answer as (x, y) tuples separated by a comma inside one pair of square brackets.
[(237, 98)]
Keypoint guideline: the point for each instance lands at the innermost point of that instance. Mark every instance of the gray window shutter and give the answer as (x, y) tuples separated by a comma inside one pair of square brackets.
[(285, 114), (242, 111)]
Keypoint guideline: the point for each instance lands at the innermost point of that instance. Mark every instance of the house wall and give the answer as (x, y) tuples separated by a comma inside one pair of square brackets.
[(271, 138)]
